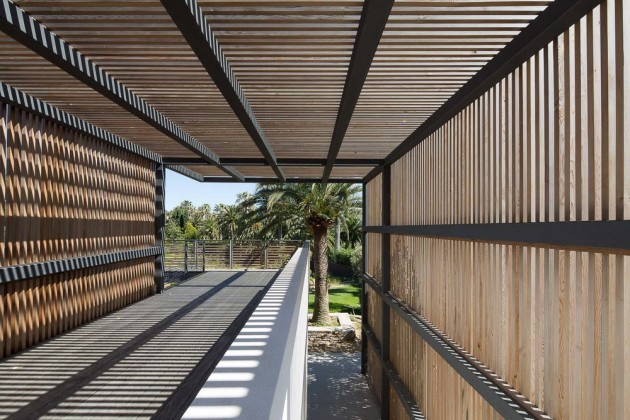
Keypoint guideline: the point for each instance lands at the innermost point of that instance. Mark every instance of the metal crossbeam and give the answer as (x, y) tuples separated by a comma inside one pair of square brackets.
[(499, 394), (281, 161), (16, 23), (371, 26), (186, 172), (193, 25), (28, 271), (559, 16), (263, 180), (607, 234), (16, 97)]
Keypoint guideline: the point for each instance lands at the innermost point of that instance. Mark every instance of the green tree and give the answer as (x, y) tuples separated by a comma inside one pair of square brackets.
[(190, 231), (315, 206)]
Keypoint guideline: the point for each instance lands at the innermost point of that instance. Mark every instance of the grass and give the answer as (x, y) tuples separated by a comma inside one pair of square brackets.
[(343, 297)]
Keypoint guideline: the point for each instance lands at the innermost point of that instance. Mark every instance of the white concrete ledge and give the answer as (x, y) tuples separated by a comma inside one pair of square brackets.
[(263, 373)]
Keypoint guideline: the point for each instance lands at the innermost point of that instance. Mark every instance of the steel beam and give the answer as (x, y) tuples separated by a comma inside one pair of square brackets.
[(385, 285), (559, 16), (364, 306), (499, 394), (17, 98), (371, 26), (264, 180), (47, 268), (611, 234), (186, 172), (281, 161), (160, 219), (16, 23), (396, 381), (194, 26)]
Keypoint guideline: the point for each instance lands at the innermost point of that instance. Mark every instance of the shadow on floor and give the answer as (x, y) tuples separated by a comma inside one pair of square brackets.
[(337, 390)]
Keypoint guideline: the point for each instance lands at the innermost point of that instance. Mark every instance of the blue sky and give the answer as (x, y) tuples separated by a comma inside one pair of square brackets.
[(180, 188)]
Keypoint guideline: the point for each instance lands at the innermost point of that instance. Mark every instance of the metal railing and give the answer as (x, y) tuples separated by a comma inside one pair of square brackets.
[(184, 256)]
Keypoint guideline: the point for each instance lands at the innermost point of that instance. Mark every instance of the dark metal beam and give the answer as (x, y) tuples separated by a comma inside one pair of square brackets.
[(16, 23), (498, 393), (15, 97), (559, 16), (29, 271), (193, 25), (396, 381), (160, 219), (612, 234), (263, 180), (373, 20), (364, 306), (386, 184), (281, 161), (186, 172)]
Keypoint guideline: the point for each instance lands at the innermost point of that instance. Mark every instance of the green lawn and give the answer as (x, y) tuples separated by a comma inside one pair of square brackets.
[(342, 298)]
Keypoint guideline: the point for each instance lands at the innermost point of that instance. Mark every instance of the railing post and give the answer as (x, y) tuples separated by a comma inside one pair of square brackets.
[(203, 254), (231, 254), (266, 255), (196, 256), (385, 284), (185, 257), (160, 216)]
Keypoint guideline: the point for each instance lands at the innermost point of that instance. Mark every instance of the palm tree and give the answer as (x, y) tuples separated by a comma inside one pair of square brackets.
[(317, 206), (229, 218)]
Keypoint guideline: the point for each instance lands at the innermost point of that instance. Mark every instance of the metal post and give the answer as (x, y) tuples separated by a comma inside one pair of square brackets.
[(231, 254), (185, 257), (160, 216), (266, 255), (385, 284), (203, 254), (196, 256), (364, 314)]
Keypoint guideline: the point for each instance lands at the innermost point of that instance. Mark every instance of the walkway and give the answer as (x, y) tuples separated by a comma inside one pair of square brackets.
[(337, 390), (145, 360)]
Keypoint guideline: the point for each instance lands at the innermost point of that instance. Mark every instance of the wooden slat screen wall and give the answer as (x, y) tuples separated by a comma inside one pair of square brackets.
[(549, 143), (66, 195)]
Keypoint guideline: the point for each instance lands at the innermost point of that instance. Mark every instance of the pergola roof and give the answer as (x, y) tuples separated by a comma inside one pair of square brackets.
[(265, 88)]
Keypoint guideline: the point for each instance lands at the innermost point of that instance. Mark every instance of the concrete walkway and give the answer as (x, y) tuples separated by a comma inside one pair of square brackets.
[(337, 390)]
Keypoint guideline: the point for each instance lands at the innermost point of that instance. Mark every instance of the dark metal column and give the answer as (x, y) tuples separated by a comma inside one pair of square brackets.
[(160, 217), (385, 285), (364, 314)]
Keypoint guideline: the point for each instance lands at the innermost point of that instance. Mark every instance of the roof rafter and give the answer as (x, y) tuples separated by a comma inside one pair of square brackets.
[(16, 23), (193, 25), (371, 26), (549, 24)]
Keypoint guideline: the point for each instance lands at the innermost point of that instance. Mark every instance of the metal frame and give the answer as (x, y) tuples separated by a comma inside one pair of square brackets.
[(281, 161), (374, 17), (160, 218), (16, 97), (364, 306), (264, 180), (185, 171), (193, 25), (500, 395), (16, 23), (386, 184), (548, 25), (610, 234), (398, 385), (47, 268)]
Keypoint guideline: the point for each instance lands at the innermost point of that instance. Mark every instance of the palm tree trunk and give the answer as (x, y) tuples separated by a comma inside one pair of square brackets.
[(338, 234), (321, 314)]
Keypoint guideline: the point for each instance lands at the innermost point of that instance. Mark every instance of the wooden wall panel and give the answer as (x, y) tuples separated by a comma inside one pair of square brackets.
[(36, 310), (66, 195), (549, 143)]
